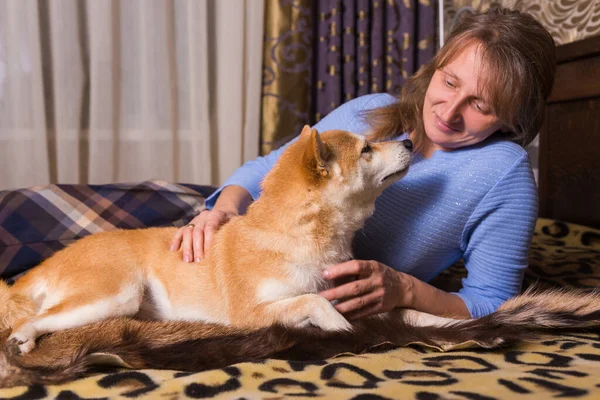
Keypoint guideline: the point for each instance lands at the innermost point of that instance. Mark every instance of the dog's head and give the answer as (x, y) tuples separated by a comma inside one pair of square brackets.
[(343, 165)]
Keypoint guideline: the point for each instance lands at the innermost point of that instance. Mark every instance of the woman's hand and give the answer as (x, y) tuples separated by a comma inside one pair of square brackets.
[(377, 288), (196, 237)]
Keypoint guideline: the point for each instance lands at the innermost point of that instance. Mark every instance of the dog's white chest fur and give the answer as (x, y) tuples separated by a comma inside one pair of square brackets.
[(300, 280)]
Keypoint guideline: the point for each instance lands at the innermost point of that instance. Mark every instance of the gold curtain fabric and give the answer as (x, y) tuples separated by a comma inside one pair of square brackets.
[(286, 71)]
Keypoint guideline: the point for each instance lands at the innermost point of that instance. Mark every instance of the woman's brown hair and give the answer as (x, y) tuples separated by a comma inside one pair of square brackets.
[(519, 57)]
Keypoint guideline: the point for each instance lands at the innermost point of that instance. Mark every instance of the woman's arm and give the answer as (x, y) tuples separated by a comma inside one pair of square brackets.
[(496, 240), (233, 199), (421, 296), (379, 288)]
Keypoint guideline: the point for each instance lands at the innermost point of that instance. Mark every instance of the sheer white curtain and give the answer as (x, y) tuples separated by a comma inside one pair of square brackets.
[(99, 91)]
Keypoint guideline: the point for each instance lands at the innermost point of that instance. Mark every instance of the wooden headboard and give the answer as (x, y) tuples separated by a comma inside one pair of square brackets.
[(569, 174)]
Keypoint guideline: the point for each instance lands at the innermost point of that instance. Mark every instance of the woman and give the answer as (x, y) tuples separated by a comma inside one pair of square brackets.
[(470, 191)]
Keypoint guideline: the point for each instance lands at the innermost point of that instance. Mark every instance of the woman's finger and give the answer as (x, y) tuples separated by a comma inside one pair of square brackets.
[(209, 231), (186, 243), (358, 304), (372, 309), (348, 290), (176, 241), (367, 268), (198, 243), (352, 267)]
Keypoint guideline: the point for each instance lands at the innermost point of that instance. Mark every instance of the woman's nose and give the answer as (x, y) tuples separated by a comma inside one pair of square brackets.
[(452, 111)]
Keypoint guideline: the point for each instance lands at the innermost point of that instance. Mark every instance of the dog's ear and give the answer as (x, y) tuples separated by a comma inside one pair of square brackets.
[(321, 152), (316, 154), (306, 131)]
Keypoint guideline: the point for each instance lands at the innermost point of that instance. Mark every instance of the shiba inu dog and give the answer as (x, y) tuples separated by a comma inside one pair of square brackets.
[(264, 268)]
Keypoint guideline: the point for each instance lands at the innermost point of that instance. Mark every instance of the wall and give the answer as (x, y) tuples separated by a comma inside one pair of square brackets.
[(566, 20)]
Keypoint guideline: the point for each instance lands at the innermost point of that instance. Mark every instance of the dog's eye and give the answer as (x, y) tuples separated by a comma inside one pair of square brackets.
[(366, 149)]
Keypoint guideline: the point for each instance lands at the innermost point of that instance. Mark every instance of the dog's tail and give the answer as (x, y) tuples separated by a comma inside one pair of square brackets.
[(523, 318), (551, 309), (125, 342), (13, 306)]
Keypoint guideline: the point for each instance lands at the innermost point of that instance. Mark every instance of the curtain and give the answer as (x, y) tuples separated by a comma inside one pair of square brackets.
[(287, 65), (319, 55), (369, 47), (98, 91)]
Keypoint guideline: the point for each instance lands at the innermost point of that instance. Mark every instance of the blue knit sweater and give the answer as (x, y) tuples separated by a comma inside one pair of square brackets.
[(478, 203)]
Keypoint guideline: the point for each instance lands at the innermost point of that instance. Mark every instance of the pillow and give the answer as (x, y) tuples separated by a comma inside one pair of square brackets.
[(36, 222)]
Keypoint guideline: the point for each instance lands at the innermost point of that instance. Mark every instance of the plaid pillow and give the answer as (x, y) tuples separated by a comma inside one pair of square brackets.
[(36, 222)]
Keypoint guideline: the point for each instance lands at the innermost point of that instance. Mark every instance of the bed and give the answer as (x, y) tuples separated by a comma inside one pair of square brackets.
[(565, 252)]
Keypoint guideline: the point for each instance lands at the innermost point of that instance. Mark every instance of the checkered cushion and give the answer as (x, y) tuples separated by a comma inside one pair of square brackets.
[(36, 222)]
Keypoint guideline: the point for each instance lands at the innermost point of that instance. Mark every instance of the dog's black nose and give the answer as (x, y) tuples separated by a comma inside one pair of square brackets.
[(408, 144)]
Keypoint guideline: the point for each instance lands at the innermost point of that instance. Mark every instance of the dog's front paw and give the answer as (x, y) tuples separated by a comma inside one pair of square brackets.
[(338, 324), (326, 317)]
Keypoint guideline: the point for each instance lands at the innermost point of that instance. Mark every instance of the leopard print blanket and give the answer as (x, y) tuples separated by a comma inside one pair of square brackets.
[(564, 366)]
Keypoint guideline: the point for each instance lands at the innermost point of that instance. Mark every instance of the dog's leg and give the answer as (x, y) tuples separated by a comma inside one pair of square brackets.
[(70, 313), (419, 319), (305, 310)]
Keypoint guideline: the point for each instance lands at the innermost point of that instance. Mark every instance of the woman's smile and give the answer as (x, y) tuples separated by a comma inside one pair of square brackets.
[(445, 127)]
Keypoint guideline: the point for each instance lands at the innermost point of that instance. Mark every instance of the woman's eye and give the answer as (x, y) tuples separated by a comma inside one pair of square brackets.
[(481, 108), (449, 84), (366, 149)]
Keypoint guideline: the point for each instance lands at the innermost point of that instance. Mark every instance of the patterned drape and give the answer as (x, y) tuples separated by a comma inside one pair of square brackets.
[(368, 47), (320, 54), (287, 69)]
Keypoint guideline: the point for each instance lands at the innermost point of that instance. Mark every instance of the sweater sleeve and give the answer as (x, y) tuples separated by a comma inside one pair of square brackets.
[(496, 240), (252, 172)]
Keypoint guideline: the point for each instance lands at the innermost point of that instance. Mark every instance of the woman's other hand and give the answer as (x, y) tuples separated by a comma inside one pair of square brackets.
[(377, 288), (195, 238)]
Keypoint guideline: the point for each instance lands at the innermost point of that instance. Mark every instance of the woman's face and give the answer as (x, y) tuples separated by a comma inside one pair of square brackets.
[(455, 113)]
